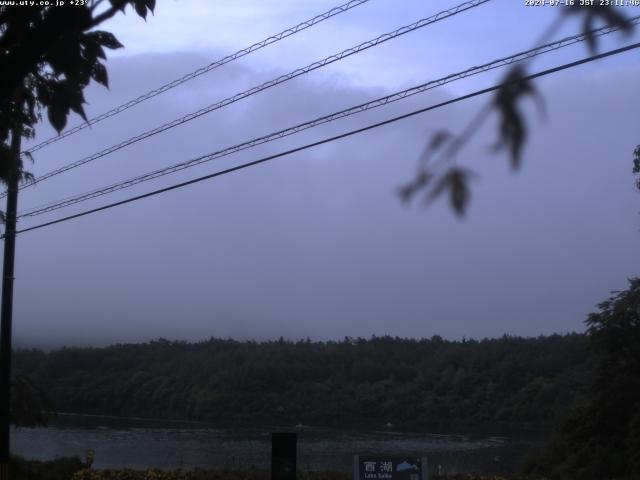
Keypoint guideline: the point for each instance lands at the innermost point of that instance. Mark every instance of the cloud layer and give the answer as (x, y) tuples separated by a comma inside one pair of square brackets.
[(318, 244)]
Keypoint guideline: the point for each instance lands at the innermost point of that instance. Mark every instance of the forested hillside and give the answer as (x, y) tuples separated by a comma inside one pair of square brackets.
[(406, 382)]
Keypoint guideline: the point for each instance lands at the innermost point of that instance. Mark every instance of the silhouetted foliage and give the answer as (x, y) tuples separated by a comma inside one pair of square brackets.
[(600, 436), (407, 382), (636, 165), (606, 13), (29, 407), (59, 469), (48, 55), (434, 180)]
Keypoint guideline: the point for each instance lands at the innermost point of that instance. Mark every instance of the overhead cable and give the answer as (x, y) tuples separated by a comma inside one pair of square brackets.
[(521, 56), (202, 70), (252, 91), (331, 139)]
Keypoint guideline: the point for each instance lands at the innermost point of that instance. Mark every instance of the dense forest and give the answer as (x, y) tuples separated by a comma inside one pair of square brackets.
[(412, 383), (598, 436)]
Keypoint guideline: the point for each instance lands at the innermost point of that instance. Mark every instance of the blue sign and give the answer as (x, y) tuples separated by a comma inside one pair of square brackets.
[(390, 468)]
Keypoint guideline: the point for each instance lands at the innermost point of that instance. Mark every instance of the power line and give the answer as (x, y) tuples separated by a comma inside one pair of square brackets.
[(332, 139), (207, 68), (321, 120), (252, 91)]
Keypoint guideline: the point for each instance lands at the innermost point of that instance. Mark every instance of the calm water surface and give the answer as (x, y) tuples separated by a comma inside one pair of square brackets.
[(138, 443)]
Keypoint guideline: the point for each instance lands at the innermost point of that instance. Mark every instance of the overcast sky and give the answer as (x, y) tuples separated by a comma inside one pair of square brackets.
[(318, 243)]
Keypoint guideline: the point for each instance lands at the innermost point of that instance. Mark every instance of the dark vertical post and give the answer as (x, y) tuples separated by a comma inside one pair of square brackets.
[(425, 469), (283, 456), (7, 309)]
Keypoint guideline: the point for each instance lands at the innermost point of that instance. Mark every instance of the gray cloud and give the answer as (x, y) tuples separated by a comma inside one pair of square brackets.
[(318, 244)]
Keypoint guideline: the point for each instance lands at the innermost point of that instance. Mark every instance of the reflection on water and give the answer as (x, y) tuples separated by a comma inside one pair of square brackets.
[(138, 443)]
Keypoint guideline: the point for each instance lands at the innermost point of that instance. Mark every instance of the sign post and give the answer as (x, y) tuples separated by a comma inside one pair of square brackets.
[(283, 456), (389, 468)]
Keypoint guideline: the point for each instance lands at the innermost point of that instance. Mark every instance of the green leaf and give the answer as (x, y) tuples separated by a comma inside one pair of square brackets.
[(92, 48), (459, 193), (66, 96), (107, 40), (99, 74), (606, 14), (456, 182), (77, 105), (57, 114), (512, 127), (121, 5), (141, 8)]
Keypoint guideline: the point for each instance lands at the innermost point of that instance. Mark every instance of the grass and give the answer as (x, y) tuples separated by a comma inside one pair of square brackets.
[(74, 469)]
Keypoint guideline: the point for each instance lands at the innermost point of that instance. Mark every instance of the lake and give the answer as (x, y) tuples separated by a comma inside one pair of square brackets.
[(140, 443)]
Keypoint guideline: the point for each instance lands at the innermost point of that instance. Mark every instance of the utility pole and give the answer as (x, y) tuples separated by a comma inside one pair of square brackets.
[(7, 307)]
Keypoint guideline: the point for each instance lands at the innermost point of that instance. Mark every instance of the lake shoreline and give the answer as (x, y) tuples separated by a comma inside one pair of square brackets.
[(142, 444), (276, 425)]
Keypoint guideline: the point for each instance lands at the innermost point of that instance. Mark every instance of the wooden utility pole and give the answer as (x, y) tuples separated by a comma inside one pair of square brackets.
[(7, 307)]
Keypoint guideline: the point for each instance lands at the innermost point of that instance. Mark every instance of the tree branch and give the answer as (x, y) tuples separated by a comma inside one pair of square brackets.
[(107, 14)]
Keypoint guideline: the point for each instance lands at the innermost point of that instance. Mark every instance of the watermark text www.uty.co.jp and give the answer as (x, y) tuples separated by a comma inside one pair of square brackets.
[(42, 3)]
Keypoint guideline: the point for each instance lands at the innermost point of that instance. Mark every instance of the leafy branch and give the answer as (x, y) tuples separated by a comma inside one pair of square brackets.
[(48, 56), (434, 180)]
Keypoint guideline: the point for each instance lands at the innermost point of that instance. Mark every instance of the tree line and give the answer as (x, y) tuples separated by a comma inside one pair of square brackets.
[(509, 380)]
